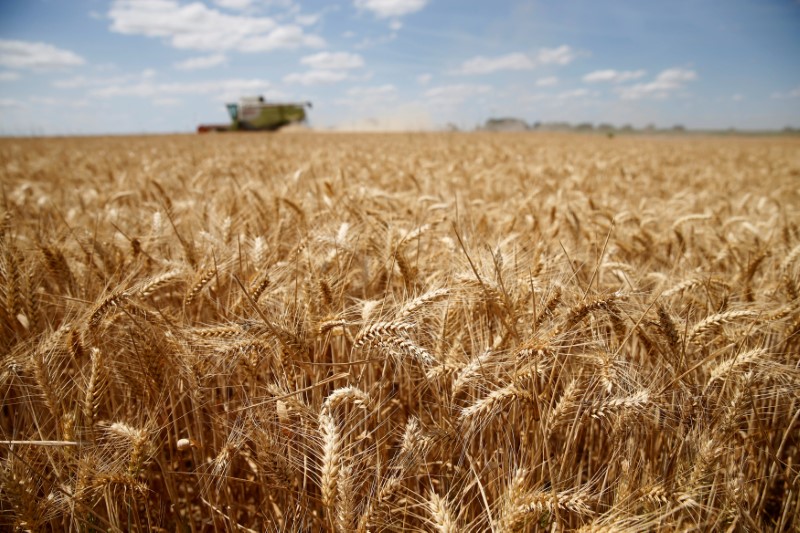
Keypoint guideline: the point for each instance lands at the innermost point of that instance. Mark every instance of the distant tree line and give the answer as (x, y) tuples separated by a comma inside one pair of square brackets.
[(517, 124)]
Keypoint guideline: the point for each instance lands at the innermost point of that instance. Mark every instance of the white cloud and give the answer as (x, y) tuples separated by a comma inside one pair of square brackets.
[(61, 102), (562, 55), (528, 97), (201, 62), (557, 100), (667, 83), (9, 76), (234, 4), (282, 37), (195, 26), (738, 97), (333, 61), (167, 102), (454, 94), (395, 25), (308, 20), (374, 96), (676, 76), (36, 56), (549, 81), (369, 42), (390, 8), (243, 5), (10, 103), (231, 88), (613, 76), (42, 100), (315, 77), (793, 93), (580, 95), (71, 83), (377, 92), (487, 65), (189, 26), (424, 79), (79, 82), (326, 67), (574, 93)]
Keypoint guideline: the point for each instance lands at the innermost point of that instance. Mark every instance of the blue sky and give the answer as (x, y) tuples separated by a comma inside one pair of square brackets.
[(100, 66)]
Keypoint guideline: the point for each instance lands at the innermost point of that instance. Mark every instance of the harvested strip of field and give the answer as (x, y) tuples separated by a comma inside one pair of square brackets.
[(440, 332)]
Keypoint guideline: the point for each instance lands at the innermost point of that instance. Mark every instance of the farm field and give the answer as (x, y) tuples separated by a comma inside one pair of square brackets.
[(400, 332)]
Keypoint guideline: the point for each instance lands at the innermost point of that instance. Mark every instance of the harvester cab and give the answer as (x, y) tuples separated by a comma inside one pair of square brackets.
[(256, 114), (233, 111)]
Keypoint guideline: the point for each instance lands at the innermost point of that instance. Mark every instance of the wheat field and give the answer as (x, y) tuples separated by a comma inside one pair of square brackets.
[(397, 332)]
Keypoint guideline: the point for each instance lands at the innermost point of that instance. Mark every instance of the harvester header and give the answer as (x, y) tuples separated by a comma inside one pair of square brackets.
[(253, 113)]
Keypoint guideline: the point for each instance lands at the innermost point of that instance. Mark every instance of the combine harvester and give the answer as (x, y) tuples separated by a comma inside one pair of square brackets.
[(254, 114)]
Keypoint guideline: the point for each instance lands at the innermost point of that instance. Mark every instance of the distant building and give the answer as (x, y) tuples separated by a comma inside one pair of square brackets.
[(505, 124)]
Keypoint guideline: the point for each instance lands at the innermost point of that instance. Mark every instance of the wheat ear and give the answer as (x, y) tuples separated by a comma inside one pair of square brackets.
[(331, 460), (94, 388)]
